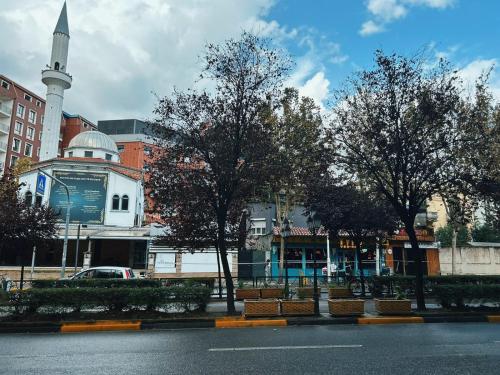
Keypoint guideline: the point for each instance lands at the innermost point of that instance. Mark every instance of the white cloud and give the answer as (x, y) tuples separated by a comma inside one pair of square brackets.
[(472, 71), (317, 88), (386, 11), (370, 27)]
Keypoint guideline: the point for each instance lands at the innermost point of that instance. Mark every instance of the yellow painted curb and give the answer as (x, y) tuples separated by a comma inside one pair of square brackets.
[(391, 320), (101, 325), (494, 318), (250, 323), (236, 317)]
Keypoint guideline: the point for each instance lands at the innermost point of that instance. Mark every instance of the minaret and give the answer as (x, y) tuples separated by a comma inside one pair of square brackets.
[(57, 80)]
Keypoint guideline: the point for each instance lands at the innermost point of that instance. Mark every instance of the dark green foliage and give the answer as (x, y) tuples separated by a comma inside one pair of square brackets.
[(184, 298), (458, 294), (96, 283), (486, 233), (445, 234)]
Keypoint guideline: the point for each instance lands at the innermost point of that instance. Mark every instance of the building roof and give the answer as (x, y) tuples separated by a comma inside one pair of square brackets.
[(62, 22), (299, 231), (93, 139)]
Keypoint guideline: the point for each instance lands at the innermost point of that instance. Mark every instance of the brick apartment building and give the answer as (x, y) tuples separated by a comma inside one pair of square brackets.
[(21, 124)]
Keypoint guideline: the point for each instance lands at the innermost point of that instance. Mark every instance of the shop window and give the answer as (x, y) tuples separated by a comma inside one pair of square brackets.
[(116, 202), (293, 257), (125, 203), (320, 258)]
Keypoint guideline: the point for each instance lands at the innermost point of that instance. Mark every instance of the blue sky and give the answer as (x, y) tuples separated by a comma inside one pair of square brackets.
[(122, 53)]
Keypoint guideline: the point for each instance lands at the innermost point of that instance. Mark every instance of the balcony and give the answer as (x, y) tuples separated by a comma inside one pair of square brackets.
[(3, 146), (5, 111), (5, 129)]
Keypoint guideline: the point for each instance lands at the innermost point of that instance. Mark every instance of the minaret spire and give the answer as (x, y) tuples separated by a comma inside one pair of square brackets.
[(62, 22), (57, 80)]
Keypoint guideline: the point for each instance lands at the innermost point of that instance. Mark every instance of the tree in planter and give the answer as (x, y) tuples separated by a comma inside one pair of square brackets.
[(216, 146), (347, 209), (400, 127), (22, 225)]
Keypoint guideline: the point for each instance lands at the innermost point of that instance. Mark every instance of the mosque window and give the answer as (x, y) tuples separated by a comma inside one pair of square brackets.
[(70, 154), (56, 66), (125, 203), (116, 202), (89, 154), (108, 156)]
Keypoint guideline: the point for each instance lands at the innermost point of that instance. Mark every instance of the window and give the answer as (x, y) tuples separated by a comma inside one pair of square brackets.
[(16, 145), (32, 116), (85, 125), (125, 203), (13, 160), (89, 154), (27, 97), (28, 149), (70, 154), (18, 128), (38, 103), (41, 121), (20, 110), (38, 201), (116, 202), (5, 85), (30, 133), (258, 227), (56, 66), (120, 148), (28, 198), (108, 156), (38, 151)]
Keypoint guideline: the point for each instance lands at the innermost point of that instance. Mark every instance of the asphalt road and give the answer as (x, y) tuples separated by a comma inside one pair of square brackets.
[(390, 349)]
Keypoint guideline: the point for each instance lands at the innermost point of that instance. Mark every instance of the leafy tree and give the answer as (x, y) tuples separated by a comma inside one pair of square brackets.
[(400, 127), (486, 233), (445, 235), (218, 146), (348, 210)]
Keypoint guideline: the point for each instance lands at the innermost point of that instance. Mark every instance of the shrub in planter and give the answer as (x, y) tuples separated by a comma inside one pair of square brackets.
[(297, 307), (306, 292), (346, 307), (261, 307), (97, 283), (246, 293), (338, 291)]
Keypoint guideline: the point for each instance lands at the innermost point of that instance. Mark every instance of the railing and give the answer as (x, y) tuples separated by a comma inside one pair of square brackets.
[(3, 146), (4, 128)]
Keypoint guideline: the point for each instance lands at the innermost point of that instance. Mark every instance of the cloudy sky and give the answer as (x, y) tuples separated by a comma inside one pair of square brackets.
[(124, 52)]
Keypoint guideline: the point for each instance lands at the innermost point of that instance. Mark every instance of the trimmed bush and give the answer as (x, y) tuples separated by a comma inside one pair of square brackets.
[(459, 294), (115, 299), (97, 283)]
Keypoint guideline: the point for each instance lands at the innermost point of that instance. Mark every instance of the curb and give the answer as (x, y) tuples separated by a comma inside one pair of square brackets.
[(230, 322)]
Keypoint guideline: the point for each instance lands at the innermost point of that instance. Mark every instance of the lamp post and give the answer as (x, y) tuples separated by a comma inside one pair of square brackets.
[(68, 207), (313, 225), (285, 233)]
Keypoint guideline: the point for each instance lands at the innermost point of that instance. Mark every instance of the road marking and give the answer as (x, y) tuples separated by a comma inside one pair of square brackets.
[(282, 348)]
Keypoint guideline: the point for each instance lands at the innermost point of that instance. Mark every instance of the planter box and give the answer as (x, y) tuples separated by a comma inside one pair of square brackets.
[(346, 307), (297, 307), (392, 306), (272, 293), (261, 307), (250, 293), (339, 293), (306, 292)]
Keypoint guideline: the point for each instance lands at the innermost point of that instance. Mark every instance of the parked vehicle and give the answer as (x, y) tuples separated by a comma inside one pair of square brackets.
[(105, 273)]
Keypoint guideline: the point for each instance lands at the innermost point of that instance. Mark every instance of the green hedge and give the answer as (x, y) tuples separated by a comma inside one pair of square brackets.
[(97, 283), (116, 299), (459, 295)]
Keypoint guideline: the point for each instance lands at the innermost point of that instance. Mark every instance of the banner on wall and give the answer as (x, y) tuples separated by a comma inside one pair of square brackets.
[(87, 193)]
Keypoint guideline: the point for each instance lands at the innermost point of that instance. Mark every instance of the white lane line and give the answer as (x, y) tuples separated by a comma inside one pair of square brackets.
[(282, 348)]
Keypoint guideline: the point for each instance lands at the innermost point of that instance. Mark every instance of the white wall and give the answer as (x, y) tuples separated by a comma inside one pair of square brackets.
[(471, 260), (202, 262)]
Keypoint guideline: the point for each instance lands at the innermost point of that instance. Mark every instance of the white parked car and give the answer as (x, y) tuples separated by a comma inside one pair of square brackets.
[(105, 273)]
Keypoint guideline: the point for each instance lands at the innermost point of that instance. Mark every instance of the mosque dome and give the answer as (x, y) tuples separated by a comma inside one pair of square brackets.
[(93, 139)]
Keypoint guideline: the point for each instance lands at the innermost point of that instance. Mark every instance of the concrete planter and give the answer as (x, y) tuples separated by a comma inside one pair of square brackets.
[(261, 307), (250, 293), (339, 292), (297, 307), (346, 307), (272, 293), (393, 306)]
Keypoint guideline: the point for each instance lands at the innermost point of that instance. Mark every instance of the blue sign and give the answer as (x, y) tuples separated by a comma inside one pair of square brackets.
[(87, 193), (40, 184)]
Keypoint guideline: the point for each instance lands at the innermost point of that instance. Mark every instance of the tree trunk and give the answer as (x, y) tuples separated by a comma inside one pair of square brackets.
[(419, 274), (360, 268), (221, 240), (453, 249)]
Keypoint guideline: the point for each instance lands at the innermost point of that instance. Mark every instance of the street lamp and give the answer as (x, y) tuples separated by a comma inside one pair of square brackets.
[(313, 224), (285, 233)]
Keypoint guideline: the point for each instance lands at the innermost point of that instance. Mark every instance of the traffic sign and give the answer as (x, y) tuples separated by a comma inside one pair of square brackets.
[(40, 184)]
